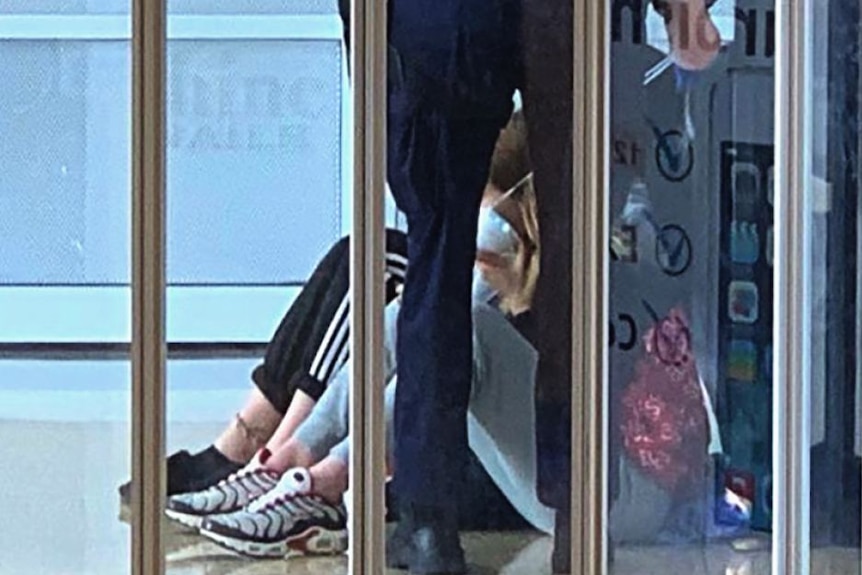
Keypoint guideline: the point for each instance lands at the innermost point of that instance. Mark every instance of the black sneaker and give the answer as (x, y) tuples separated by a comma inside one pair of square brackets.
[(186, 473)]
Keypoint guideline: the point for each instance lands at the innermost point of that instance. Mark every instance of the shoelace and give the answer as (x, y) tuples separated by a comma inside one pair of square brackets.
[(270, 500), (236, 477), (290, 503), (236, 482)]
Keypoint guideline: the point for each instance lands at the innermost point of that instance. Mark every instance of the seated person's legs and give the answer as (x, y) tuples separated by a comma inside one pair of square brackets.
[(302, 512), (327, 424), (305, 361), (323, 427), (308, 347)]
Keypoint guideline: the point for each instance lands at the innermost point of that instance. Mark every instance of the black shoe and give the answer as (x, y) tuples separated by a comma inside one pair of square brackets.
[(398, 545), (426, 542), (561, 558), (187, 472)]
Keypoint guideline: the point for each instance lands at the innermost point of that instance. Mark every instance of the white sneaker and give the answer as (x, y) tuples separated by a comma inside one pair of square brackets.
[(289, 520), (226, 496)]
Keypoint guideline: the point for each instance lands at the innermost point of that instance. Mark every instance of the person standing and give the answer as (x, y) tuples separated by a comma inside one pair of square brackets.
[(452, 73), (453, 68)]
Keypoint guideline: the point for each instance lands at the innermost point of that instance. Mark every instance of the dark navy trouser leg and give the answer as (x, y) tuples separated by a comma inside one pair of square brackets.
[(438, 167)]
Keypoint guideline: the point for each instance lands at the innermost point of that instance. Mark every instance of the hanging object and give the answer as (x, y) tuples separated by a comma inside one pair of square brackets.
[(722, 14)]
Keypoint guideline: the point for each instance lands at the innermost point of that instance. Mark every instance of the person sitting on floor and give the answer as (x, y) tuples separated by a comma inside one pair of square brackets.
[(310, 346), (289, 500)]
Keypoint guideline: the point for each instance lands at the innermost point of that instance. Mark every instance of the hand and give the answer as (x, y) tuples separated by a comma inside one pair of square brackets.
[(694, 38)]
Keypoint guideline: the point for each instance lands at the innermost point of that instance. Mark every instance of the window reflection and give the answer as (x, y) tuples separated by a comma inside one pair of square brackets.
[(690, 401)]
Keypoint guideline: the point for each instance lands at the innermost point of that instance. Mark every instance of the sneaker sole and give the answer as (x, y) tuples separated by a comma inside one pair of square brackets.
[(187, 520), (313, 541)]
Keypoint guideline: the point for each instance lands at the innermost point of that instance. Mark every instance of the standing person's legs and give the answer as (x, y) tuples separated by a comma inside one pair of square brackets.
[(547, 55), (438, 165)]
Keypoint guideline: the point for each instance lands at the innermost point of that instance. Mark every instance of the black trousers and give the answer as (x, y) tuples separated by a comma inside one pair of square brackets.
[(443, 120), (312, 340), (546, 48)]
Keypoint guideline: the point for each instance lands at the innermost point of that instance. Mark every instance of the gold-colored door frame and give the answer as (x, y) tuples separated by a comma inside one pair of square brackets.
[(148, 284), (591, 93), (367, 435), (791, 413)]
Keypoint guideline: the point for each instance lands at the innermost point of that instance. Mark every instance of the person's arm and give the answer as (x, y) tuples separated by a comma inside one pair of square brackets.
[(695, 40), (665, 7), (327, 425)]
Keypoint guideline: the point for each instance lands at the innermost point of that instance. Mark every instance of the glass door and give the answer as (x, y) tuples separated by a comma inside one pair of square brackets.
[(258, 147), (690, 332), (831, 216), (64, 286)]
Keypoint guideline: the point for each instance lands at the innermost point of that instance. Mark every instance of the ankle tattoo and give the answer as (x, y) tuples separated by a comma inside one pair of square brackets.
[(255, 435)]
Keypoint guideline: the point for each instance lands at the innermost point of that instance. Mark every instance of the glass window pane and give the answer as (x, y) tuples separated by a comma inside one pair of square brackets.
[(258, 197), (255, 159), (58, 7), (64, 294), (64, 212), (691, 287), (833, 304), (246, 7)]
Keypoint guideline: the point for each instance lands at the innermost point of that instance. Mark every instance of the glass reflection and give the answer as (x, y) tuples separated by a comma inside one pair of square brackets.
[(259, 189), (833, 220), (691, 286), (64, 275)]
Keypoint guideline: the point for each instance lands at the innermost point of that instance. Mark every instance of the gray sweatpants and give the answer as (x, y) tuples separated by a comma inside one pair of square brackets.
[(500, 421), (325, 431)]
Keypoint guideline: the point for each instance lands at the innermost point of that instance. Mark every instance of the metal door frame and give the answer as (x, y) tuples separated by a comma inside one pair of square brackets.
[(590, 285)]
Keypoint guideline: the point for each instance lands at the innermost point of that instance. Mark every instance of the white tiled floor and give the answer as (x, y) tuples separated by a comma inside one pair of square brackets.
[(60, 511)]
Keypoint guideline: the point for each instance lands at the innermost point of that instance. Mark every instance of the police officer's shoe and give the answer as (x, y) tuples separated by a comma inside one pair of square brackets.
[(426, 542), (398, 545)]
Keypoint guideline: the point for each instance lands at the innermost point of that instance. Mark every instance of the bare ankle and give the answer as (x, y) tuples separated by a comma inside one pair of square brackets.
[(330, 480), (331, 489), (241, 440)]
